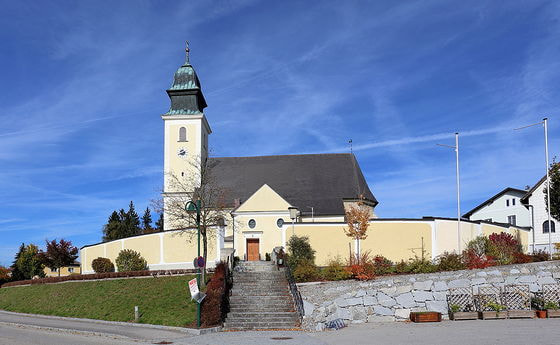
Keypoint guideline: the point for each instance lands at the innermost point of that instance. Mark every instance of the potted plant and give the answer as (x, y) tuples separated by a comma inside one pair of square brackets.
[(538, 304), (497, 311), (552, 309), (425, 316), (456, 312)]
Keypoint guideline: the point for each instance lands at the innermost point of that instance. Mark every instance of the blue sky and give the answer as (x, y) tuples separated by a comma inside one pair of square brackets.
[(83, 84)]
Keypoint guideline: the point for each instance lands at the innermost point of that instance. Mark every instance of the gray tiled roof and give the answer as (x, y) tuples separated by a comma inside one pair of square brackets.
[(317, 180)]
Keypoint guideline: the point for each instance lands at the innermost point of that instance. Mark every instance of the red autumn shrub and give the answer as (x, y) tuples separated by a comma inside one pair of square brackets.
[(362, 268), (522, 258), (503, 248), (214, 306), (474, 260), (382, 265)]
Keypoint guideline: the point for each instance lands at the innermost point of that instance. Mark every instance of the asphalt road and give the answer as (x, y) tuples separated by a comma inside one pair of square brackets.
[(18, 329)]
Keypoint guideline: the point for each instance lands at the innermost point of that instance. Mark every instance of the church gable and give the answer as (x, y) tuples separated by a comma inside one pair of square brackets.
[(264, 199)]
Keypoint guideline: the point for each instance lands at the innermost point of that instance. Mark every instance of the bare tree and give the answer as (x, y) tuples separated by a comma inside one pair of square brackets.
[(201, 187), (357, 218)]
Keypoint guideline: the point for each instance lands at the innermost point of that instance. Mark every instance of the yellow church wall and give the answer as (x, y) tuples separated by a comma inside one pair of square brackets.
[(266, 230), (178, 250), (148, 246), (399, 240), (264, 199), (88, 254), (113, 248), (182, 247), (394, 240)]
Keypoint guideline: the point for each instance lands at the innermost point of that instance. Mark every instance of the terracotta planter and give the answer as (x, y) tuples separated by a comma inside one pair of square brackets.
[(493, 315), (541, 314), (521, 314), (425, 316), (553, 312), (463, 315)]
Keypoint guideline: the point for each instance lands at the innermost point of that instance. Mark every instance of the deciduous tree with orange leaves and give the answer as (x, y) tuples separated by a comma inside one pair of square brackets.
[(357, 218)]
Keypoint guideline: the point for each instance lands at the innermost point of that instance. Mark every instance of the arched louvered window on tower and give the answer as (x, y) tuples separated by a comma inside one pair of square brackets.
[(182, 134), (546, 228)]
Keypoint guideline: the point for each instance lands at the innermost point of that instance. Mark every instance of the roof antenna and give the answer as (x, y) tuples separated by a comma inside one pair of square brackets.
[(350, 142), (188, 57)]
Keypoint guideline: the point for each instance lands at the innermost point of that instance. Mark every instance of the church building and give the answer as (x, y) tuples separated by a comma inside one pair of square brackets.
[(264, 200)]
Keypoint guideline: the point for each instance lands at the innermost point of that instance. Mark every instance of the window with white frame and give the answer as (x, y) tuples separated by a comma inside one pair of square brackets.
[(511, 220), (546, 228), (507, 202)]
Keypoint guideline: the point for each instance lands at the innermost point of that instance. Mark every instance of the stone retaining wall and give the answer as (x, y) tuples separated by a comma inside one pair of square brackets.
[(392, 298)]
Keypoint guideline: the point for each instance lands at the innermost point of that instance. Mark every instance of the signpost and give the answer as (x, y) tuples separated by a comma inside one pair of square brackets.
[(194, 207)]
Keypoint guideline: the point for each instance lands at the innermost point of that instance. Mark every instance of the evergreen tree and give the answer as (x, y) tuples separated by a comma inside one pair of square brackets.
[(147, 221), (132, 222), (122, 224), (159, 223), (27, 263), (16, 273), (112, 230)]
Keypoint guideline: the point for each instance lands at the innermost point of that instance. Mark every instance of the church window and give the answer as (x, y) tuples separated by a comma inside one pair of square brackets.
[(182, 134), (252, 223), (280, 222), (545, 227)]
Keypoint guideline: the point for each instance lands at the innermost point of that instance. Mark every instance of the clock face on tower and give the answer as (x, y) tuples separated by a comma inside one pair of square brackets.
[(182, 152)]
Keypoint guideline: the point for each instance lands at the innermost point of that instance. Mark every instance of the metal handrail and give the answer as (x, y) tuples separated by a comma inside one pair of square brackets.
[(295, 293)]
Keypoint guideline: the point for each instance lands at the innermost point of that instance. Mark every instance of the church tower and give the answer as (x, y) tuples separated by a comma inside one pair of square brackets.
[(186, 131)]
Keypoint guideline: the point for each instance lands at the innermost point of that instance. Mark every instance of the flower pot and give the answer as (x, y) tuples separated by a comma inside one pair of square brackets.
[(463, 315), (553, 312), (425, 316), (493, 315), (541, 314)]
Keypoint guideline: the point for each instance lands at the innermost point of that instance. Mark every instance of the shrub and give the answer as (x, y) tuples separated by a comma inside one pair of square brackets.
[(473, 260), (540, 255), (421, 265), (382, 265), (522, 258), (130, 260), (214, 308), (102, 265), (502, 247), (450, 262), (299, 250), (361, 268), (479, 246), (305, 271), (335, 270), (401, 267)]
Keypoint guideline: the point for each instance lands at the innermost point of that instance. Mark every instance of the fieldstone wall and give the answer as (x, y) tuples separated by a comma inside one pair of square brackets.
[(392, 298)]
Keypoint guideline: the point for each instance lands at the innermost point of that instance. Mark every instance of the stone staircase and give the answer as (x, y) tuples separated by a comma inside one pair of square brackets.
[(260, 298)]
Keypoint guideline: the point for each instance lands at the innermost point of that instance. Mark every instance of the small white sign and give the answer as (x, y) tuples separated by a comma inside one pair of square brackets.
[(193, 286)]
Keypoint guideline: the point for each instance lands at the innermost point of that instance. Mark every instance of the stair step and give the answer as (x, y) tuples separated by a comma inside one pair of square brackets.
[(259, 325)]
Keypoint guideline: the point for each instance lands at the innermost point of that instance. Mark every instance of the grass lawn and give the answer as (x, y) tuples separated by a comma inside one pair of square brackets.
[(162, 300)]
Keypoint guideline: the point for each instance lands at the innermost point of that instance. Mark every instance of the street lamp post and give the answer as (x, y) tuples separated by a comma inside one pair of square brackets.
[(192, 207), (544, 122), (456, 148), (293, 216)]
